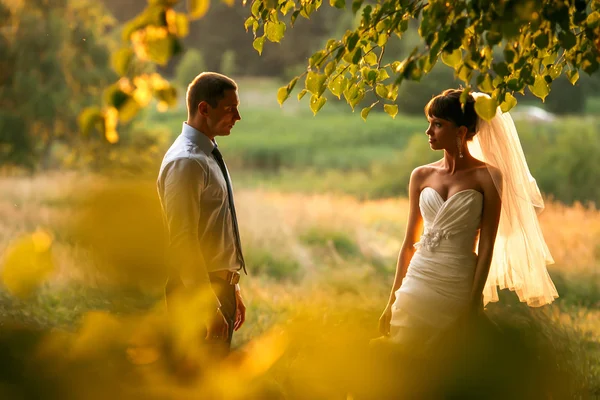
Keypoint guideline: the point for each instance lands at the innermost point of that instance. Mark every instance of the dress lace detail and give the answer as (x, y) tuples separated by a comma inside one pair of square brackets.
[(432, 238)]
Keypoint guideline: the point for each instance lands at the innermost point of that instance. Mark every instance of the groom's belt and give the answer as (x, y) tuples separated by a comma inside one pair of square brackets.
[(231, 277)]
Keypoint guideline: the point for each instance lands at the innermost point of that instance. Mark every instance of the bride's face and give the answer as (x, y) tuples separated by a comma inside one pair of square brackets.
[(442, 134)]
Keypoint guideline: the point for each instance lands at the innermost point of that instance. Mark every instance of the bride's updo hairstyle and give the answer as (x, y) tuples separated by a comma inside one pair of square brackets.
[(447, 106)]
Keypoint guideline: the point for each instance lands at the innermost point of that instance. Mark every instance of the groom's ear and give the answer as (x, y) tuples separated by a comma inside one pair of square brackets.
[(203, 108)]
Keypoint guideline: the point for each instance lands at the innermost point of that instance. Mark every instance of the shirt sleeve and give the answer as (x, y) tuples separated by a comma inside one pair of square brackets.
[(184, 181)]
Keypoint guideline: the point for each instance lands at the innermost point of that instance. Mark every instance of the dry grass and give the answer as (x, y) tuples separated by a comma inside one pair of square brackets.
[(345, 250)]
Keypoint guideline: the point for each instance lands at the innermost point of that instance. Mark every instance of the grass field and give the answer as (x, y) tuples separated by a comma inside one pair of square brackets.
[(322, 215), (321, 267), (288, 149)]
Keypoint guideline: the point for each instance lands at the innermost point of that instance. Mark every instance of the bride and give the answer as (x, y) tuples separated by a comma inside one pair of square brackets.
[(476, 208)]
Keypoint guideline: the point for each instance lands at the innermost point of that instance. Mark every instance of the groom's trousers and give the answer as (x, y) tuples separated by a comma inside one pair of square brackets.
[(225, 292)]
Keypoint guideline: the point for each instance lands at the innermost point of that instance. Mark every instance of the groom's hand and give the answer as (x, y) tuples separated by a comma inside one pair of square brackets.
[(217, 327), (240, 309)]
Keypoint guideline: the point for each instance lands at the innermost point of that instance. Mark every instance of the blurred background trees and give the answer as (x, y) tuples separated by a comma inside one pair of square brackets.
[(54, 63), (62, 56)]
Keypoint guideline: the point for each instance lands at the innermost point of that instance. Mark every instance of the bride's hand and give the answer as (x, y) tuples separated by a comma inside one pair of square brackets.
[(384, 321)]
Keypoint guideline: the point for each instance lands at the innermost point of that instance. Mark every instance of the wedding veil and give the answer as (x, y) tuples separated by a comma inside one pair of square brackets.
[(520, 252)]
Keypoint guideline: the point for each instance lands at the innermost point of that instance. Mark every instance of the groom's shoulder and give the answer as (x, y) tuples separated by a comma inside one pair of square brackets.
[(183, 151)]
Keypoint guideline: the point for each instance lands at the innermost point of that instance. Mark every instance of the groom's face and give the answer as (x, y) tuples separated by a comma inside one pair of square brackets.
[(223, 117), (442, 133)]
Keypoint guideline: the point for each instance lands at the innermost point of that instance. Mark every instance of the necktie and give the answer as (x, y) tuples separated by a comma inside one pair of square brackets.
[(219, 157)]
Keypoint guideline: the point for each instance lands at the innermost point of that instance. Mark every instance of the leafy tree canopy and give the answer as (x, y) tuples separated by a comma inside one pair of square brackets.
[(500, 47)]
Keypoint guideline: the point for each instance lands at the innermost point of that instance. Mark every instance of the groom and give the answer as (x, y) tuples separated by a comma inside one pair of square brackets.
[(197, 203)]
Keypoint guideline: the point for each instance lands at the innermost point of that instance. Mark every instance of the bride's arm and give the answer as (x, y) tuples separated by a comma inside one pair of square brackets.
[(414, 226), (413, 229), (492, 205)]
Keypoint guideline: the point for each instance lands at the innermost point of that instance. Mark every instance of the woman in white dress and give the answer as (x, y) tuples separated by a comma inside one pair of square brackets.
[(472, 225)]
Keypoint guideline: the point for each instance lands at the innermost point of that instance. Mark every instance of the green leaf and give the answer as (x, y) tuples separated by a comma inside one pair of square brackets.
[(493, 37), (198, 8), (315, 83), (567, 39), (465, 73), (484, 83), (540, 87), (541, 40), (391, 110), (89, 119), (337, 3), (486, 107), (275, 31), (258, 44), (452, 59), (316, 103), (356, 5), (501, 69), (301, 94), (357, 56), (354, 95), (590, 62), (573, 76), (121, 61), (351, 41), (509, 102), (509, 55), (515, 85), (337, 86)]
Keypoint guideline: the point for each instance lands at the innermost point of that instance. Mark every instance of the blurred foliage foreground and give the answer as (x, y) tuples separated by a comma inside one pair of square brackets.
[(321, 268)]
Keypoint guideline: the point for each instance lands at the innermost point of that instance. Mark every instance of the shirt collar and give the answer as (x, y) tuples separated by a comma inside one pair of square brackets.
[(198, 138)]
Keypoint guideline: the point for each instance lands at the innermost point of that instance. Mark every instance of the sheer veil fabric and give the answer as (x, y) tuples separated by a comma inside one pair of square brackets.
[(520, 252)]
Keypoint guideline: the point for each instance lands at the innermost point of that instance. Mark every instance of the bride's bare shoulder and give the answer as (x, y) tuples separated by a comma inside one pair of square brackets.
[(422, 172), (490, 176)]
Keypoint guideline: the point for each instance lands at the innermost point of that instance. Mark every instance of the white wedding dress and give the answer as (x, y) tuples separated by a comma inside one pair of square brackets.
[(437, 287)]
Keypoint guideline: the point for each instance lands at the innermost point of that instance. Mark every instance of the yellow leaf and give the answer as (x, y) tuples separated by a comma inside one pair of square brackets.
[(230, 3), (391, 109), (258, 44), (28, 263), (282, 94), (316, 103), (540, 87), (365, 112), (452, 59), (111, 118), (198, 8), (275, 31), (486, 107), (509, 102), (260, 354)]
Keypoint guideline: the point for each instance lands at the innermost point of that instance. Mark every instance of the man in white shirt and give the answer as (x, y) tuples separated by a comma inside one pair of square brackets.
[(197, 201)]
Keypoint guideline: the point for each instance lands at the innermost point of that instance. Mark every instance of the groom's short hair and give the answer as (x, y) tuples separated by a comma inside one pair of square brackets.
[(209, 87)]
